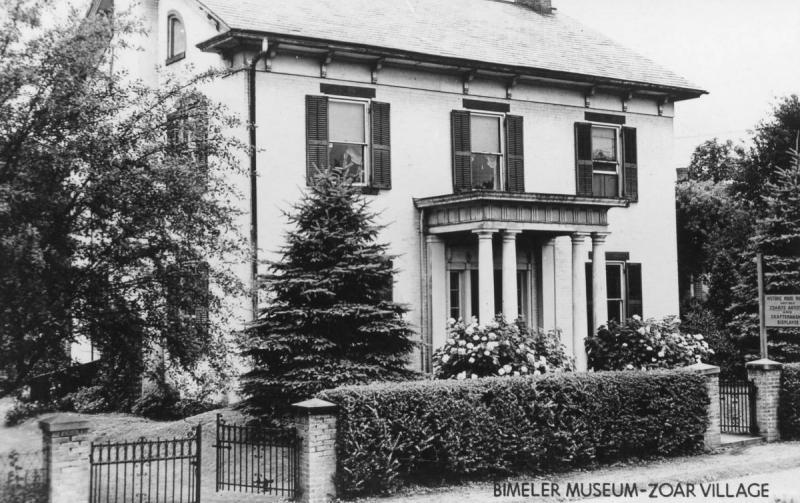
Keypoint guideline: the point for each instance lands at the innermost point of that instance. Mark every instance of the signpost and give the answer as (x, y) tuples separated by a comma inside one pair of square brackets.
[(775, 311)]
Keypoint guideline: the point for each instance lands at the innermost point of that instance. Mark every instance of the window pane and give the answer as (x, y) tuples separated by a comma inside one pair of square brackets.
[(178, 37), (614, 281), (485, 133), (351, 158), (485, 171), (604, 144), (615, 310), (474, 289), (455, 295), (346, 122)]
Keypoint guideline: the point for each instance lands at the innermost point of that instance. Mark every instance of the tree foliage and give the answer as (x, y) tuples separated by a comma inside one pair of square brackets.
[(102, 205), (726, 216), (330, 320)]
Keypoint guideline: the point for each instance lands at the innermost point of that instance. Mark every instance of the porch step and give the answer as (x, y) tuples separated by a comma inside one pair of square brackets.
[(729, 440)]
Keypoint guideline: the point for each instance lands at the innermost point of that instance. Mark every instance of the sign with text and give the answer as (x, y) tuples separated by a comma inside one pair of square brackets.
[(782, 311)]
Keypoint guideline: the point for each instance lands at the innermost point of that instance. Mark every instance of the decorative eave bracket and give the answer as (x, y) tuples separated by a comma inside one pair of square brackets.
[(662, 102), (587, 97), (323, 68), (377, 67), (626, 100), (468, 77), (511, 85), (273, 52)]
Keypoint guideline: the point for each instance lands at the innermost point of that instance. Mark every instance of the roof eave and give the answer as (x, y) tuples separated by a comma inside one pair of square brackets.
[(236, 38)]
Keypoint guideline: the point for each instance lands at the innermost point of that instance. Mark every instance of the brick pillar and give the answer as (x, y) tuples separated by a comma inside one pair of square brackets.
[(316, 426), (712, 438), (66, 445), (766, 375)]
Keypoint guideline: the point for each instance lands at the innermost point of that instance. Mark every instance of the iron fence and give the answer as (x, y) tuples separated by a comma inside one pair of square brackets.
[(737, 400), (147, 471), (256, 459)]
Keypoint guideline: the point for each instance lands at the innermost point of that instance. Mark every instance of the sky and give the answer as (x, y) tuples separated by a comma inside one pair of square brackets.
[(745, 53)]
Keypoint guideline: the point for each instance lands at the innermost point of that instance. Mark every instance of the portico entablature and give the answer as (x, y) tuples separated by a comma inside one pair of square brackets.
[(478, 210)]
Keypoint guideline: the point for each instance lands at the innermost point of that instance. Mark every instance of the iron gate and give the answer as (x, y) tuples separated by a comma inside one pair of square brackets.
[(737, 407), (257, 460), (146, 471)]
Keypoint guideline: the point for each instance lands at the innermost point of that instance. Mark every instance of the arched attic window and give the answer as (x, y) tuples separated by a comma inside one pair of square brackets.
[(176, 38)]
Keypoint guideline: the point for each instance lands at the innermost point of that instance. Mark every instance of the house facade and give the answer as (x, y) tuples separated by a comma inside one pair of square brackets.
[(520, 162)]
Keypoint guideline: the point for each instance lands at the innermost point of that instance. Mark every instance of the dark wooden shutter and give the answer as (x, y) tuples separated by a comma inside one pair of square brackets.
[(316, 136), (583, 159), (515, 161), (462, 150), (630, 170), (381, 146), (634, 289)]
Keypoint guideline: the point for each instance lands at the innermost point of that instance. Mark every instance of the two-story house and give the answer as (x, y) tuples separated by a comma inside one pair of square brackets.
[(520, 161)]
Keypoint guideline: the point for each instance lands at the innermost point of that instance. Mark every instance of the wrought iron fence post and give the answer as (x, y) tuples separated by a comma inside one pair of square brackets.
[(198, 466)]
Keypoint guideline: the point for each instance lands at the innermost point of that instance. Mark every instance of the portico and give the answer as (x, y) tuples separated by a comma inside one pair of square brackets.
[(522, 255)]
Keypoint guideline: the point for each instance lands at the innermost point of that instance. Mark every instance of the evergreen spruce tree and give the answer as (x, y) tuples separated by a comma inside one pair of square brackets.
[(329, 321), (777, 237)]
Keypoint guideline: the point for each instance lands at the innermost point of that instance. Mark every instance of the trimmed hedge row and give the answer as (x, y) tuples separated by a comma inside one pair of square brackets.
[(789, 402), (393, 433)]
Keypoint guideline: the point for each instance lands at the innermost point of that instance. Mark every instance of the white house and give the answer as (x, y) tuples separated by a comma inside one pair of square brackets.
[(521, 162)]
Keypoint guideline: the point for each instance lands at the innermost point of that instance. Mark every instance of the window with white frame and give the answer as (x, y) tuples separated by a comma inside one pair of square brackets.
[(348, 126), (176, 38), (486, 161)]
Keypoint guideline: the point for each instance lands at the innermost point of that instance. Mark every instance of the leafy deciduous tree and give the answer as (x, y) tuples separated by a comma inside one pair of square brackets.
[(99, 212)]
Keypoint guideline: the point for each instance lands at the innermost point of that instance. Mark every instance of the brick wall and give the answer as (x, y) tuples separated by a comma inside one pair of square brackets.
[(66, 458), (712, 437), (766, 375), (316, 426)]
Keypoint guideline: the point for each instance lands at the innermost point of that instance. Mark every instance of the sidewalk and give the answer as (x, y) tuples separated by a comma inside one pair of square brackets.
[(777, 465)]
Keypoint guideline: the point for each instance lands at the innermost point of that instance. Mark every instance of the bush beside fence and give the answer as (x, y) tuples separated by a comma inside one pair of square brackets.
[(789, 402), (22, 478), (394, 433)]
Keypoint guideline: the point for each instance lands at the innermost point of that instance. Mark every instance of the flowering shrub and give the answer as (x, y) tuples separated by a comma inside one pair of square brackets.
[(644, 345), (497, 349)]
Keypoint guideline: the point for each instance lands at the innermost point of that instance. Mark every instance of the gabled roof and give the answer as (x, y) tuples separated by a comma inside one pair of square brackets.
[(491, 31)]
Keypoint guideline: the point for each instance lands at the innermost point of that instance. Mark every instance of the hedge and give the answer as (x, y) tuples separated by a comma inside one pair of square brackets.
[(394, 433), (789, 402)]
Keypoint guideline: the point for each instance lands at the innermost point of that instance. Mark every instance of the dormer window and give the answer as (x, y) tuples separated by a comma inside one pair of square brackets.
[(176, 39)]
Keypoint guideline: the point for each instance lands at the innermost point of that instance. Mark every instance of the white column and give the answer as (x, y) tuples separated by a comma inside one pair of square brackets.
[(486, 310), (599, 293), (579, 321), (548, 314), (437, 272), (510, 308)]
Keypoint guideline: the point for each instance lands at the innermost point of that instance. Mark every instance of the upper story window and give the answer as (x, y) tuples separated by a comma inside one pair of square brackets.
[(487, 151), (606, 161), (350, 134), (176, 39), (486, 161), (348, 138)]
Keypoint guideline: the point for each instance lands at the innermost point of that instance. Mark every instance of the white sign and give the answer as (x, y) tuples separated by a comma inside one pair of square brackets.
[(782, 311)]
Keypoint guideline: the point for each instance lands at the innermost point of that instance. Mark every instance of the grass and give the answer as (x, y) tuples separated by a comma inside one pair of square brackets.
[(113, 427)]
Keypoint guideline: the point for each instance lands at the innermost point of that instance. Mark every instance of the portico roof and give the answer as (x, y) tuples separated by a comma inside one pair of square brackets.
[(475, 210)]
